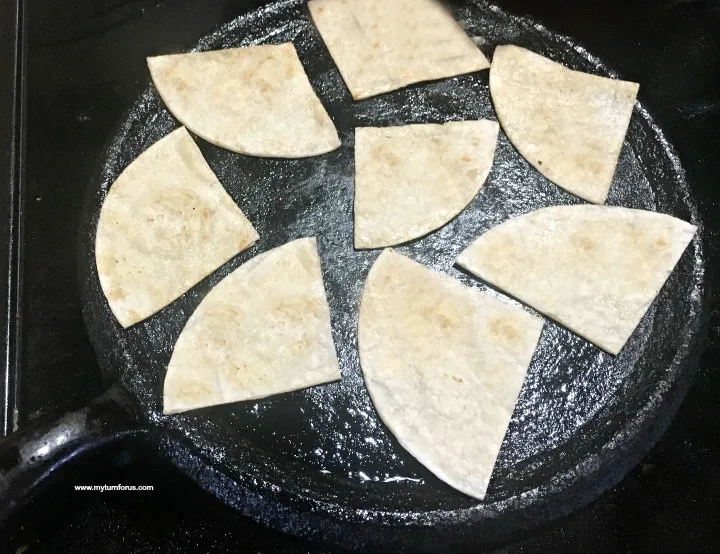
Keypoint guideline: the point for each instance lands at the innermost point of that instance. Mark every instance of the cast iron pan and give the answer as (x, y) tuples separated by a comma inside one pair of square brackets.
[(319, 463)]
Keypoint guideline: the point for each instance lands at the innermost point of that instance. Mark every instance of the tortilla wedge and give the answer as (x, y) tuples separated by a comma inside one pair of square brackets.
[(255, 100), (263, 330), (381, 45), (413, 179), (567, 124), (594, 269), (165, 225), (444, 365)]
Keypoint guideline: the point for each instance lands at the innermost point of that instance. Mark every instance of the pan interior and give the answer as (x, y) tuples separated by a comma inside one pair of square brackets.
[(327, 444)]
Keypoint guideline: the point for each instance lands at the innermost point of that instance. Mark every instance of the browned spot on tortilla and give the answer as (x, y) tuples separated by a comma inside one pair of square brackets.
[(296, 308), (502, 328), (441, 319), (583, 242), (300, 346), (466, 158), (384, 154), (498, 248), (661, 243), (457, 379), (193, 391), (224, 313), (445, 322), (265, 86), (134, 316), (591, 165), (637, 234), (181, 85), (116, 295)]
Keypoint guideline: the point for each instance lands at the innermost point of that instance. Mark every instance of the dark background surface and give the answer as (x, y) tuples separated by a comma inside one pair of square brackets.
[(85, 65)]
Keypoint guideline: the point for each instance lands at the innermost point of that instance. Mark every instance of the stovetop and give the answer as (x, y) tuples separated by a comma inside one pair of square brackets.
[(85, 65)]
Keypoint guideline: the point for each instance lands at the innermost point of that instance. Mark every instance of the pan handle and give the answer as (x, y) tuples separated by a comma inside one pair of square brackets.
[(29, 457)]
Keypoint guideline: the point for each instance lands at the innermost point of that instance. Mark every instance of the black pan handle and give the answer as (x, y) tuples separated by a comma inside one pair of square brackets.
[(32, 455)]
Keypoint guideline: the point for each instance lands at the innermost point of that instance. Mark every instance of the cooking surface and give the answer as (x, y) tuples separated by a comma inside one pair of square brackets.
[(80, 114), (327, 445)]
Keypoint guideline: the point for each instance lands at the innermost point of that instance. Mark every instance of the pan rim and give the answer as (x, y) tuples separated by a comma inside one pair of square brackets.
[(639, 442)]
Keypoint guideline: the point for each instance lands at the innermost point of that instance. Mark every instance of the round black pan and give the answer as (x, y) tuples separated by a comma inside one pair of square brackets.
[(319, 463)]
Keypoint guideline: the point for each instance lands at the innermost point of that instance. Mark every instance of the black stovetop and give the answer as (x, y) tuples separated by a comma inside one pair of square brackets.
[(85, 65)]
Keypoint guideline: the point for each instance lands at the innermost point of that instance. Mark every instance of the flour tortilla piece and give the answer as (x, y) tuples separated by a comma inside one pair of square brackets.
[(381, 46), (444, 365), (165, 225), (264, 330), (595, 269), (569, 125), (255, 100), (413, 179)]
